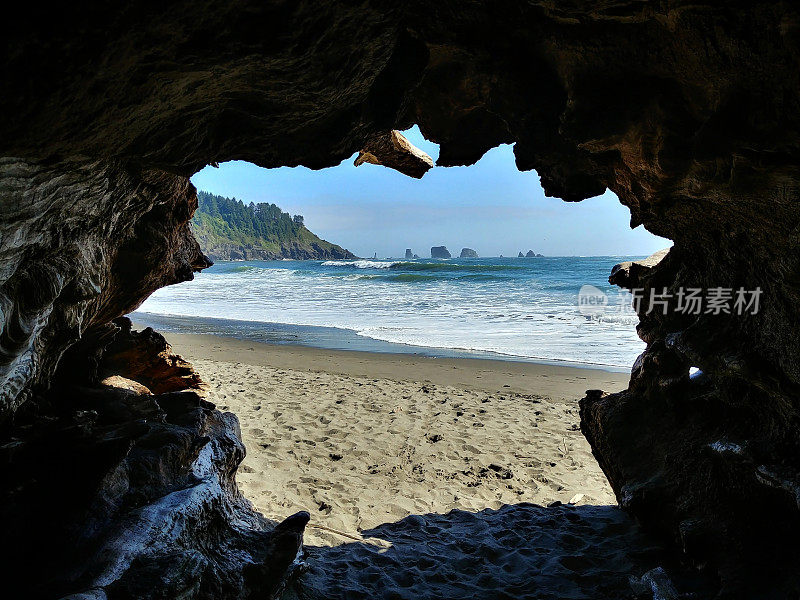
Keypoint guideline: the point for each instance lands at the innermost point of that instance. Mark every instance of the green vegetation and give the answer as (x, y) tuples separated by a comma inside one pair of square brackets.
[(229, 229)]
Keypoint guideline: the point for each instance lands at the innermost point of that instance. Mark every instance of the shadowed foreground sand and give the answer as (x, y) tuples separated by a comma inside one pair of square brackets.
[(430, 478)]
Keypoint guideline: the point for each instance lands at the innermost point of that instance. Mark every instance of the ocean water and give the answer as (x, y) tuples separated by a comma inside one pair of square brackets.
[(516, 308)]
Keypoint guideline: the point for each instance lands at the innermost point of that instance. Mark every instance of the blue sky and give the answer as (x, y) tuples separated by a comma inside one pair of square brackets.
[(489, 206)]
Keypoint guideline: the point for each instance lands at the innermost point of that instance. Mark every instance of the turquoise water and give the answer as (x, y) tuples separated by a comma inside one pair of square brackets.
[(511, 307)]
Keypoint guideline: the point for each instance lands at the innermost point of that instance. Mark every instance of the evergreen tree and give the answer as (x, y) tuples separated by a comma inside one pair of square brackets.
[(220, 221)]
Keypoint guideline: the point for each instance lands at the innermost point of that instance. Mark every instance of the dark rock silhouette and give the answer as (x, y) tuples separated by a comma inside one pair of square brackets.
[(409, 254), (147, 473), (440, 252), (468, 253), (688, 112)]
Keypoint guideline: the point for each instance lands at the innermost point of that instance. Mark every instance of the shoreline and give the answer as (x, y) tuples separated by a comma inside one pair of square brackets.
[(556, 381), (336, 339)]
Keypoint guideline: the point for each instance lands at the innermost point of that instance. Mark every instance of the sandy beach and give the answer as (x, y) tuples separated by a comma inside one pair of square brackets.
[(394, 454)]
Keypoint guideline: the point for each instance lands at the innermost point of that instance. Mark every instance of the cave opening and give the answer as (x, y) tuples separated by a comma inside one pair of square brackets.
[(367, 216), (385, 392)]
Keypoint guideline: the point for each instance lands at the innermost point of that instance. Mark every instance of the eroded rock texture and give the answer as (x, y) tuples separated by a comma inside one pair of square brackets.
[(710, 460), (687, 110), (393, 150), (146, 357), (82, 243), (111, 491)]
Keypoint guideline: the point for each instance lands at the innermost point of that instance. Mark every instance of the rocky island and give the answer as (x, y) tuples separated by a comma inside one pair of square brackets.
[(229, 229), (468, 253), (440, 252)]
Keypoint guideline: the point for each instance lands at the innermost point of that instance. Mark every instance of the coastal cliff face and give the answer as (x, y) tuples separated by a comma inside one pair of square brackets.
[(689, 112), (229, 229), (297, 251)]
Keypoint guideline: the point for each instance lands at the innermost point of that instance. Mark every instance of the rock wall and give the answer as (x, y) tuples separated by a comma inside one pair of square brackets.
[(688, 111), (82, 242), (294, 251), (113, 491), (708, 460)]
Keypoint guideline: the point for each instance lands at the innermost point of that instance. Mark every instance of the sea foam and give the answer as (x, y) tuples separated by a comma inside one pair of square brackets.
[(507, 306), (360, 264)]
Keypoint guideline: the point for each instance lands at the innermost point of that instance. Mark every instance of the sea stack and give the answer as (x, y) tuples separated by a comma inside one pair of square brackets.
[(520, 255), (530, 254), (409, 254), (468, 253), (440, 252)]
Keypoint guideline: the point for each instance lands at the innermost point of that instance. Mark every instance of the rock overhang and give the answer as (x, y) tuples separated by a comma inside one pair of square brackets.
[(688, 112)]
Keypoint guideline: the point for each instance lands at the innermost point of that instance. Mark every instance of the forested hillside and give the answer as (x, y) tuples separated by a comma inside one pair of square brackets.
[(229, 229)]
